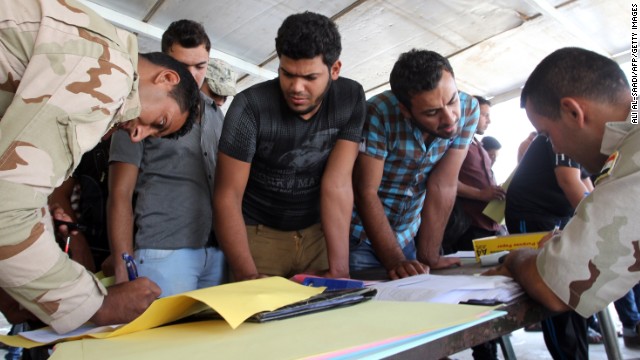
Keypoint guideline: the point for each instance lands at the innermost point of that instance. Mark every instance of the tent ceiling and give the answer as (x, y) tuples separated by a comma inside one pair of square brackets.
[(492, 45)]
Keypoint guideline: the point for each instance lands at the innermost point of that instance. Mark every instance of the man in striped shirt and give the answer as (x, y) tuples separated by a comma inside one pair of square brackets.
[(422, 122)]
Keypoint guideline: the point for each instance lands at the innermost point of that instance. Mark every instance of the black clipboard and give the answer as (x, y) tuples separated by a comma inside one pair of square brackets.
[(324, 301)]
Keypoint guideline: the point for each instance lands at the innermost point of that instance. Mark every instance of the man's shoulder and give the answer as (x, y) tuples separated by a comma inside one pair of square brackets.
[(467, 102), (346, 83), (347, 92), (385, 100)]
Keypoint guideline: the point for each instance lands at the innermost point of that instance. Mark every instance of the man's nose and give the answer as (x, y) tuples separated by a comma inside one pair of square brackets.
[(449, 118), (139, 132), (297, 85)]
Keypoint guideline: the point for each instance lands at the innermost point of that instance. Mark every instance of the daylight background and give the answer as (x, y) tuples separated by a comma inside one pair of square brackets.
[(509, 124)]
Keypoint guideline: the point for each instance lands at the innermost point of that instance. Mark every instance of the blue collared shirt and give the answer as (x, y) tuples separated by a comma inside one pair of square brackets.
[(408, 160)]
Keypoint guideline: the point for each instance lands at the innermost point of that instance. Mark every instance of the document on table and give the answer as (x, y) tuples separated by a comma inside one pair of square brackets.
[(450, 289), (235, 302), (369, 327)]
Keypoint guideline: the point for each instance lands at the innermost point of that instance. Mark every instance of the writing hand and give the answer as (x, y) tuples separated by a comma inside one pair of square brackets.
[(547, 237), (126, 301)]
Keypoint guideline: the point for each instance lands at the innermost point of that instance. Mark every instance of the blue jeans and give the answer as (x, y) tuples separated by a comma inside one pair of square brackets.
[(180, 270), (362, 256), (627, 308)]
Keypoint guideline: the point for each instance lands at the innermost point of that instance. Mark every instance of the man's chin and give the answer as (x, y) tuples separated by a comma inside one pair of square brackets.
[(302, 110), (448, 134)]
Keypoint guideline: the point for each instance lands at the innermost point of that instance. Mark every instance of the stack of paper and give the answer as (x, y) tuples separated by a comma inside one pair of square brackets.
[(450, 289)]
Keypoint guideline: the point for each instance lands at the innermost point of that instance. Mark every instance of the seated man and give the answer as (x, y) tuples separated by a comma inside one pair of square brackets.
[(77, 75), (581, 101), (400, 193)]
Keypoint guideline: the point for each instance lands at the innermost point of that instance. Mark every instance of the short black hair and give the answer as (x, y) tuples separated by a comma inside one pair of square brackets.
[(490, 143), (417, 71), (575, 72), (482, 100), (187, 33), (186, 92), (307, 35)]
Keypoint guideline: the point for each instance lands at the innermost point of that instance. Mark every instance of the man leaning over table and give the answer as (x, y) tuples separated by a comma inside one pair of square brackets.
[(283, 195), (405, 178), (581, 101), (68, 75), (169, 229)]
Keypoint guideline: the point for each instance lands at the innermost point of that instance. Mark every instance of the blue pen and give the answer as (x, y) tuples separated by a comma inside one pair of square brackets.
[(132, 270)]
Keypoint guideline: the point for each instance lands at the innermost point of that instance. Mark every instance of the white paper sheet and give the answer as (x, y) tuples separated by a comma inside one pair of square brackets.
[(450, 289)]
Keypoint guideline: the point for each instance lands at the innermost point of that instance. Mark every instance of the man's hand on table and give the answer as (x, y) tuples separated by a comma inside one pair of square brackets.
[(498, 270), (444, 262), (333, 274), (406, 268), (126, 301), (501, 269)]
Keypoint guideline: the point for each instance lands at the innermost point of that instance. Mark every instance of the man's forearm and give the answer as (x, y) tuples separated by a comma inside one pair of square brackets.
[(336, 208), (231, 233), (120, 230), (521, 264), (435, 213)]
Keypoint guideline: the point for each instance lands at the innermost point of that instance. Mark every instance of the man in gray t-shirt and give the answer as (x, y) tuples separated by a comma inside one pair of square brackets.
[(172, 181)]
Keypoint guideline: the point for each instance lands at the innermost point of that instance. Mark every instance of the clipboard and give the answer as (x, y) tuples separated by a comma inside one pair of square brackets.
[(324, 301)]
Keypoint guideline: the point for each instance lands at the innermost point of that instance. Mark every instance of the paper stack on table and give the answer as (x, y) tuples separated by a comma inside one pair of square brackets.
[(450, 289)]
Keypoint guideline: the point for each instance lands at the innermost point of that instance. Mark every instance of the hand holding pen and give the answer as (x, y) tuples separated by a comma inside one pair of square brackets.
[(556, 230), (132, 270)]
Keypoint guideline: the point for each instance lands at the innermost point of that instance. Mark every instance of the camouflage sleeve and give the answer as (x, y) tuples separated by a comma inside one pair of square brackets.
[(66, 82), (596, 259)]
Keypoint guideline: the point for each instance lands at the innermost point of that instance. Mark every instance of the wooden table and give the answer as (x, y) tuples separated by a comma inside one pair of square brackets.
[(521, 312)]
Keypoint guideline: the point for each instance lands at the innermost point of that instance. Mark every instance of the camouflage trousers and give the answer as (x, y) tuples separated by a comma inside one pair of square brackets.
[(59, 91)]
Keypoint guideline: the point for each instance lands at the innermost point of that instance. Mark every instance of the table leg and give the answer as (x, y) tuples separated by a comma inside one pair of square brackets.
[(609, 335)]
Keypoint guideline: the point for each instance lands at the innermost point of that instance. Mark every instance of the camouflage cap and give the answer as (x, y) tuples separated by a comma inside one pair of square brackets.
[(221, 78)]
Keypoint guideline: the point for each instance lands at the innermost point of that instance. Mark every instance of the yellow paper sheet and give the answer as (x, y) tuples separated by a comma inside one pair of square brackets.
[(293, 338), (235, 302), (495, 208)]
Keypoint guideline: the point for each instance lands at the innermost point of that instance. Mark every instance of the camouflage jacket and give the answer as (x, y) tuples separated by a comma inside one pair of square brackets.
[(66, 76), (596, 259)]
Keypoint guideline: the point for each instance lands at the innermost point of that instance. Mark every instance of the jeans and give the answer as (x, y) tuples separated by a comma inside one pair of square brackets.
[(362, 256), (627, 308), (180, 270)]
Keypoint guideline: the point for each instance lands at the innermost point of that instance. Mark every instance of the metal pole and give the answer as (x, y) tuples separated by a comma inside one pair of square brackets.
[(609, 335)]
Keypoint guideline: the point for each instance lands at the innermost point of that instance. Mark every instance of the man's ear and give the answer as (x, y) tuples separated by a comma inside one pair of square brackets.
[(335, 70), (167, 76), (572, 111)]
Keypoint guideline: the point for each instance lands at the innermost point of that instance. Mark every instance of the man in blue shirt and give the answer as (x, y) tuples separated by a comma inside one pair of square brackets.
[(422, 122)]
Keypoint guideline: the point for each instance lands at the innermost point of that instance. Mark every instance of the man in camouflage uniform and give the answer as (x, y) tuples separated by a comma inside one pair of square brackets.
[(581, 101), (66, 76)]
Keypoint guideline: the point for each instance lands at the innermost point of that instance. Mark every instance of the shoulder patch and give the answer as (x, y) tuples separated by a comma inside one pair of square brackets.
[(608, 167)]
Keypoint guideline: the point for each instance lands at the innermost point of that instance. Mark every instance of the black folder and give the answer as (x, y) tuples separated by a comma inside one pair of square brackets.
[(323, 301)]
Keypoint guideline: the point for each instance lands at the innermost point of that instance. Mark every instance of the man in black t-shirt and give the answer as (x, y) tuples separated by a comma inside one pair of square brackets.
[(283, 194), (543, 194)]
